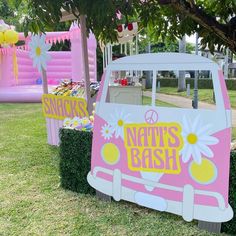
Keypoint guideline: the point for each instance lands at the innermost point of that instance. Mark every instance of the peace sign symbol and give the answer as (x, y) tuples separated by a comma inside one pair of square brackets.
[(151, 117)]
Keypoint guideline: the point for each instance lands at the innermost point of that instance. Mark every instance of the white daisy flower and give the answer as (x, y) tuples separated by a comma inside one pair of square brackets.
[(75, 122), (38, 51), (117, 122), (106, 131), (196, 141), (67, 123)]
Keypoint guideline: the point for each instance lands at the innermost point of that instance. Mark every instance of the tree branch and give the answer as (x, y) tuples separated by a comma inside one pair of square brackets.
[(209, 22)]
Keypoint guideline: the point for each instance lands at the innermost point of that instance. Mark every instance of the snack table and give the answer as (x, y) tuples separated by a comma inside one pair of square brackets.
[(125, 94), (59, 103)]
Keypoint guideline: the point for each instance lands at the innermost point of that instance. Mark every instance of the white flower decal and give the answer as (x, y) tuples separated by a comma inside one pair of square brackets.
[(38, 51), (106, 131), (75, 122), (67, 123), (196, 141), (117, 122)]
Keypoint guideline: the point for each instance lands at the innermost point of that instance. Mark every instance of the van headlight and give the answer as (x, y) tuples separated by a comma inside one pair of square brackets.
[(110, 153), (204, 173)]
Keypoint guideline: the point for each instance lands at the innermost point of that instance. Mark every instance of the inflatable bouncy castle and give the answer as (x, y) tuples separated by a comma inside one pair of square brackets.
[(21, 82)]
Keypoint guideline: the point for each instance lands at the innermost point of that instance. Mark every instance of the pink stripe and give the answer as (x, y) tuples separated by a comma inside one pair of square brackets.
[(54, 134), (49, 137), (57, 132)]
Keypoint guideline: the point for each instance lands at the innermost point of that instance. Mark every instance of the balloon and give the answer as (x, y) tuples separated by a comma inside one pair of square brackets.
[(11, 36), (1, 37), (119, 28), (3, 27), (130, 26), (39, 81)]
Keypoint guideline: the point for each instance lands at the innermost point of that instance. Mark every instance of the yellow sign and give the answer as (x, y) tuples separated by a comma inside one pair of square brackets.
[(153, 148), (60, 107)]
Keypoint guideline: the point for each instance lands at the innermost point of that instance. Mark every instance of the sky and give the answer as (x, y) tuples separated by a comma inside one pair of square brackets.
[(191, 39)]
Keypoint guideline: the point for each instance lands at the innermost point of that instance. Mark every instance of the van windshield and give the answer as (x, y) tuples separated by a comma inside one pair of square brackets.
[(186, 89)]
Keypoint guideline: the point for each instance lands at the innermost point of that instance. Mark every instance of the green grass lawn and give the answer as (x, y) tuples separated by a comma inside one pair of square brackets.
[(205, 95), (148, 101), (32, 202)]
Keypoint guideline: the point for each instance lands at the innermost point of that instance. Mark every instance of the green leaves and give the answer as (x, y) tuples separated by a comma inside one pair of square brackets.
[(160, 20), (15, 3)]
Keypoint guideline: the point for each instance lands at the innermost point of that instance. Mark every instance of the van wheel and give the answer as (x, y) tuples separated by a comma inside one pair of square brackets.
[(103, 196)]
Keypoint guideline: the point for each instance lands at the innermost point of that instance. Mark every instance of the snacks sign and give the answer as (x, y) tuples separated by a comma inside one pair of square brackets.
[(60, 107)]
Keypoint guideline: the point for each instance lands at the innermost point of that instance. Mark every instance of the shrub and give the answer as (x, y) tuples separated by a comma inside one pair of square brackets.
[(75, 160), (231, 84), (230, 226)]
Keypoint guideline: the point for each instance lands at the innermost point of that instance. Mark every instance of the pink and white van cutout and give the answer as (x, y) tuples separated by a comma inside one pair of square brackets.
[(168, 159)]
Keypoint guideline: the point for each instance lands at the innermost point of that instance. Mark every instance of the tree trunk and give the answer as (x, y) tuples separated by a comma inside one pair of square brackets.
[(226, 64), (85, 62), (45, 81), (181, 79), (148, 73)]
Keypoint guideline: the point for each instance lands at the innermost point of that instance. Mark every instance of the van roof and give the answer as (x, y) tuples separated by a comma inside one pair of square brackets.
[(163, 58)]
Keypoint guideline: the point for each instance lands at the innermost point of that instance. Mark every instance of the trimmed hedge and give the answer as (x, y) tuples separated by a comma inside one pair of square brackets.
[(75, 160), (202, 83), (230, 226), (231, 84), (75, 163)]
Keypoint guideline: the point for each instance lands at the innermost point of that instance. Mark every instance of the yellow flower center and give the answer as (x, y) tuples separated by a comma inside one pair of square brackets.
[(106, 131), (120, 123), (192, 138), (38, 51)]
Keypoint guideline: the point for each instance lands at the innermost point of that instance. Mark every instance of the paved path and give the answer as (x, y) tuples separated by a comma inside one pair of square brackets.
[(185, 102)]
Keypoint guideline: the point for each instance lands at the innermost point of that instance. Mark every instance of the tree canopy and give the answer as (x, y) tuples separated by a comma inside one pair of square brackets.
[(11, 15), (214, 20)]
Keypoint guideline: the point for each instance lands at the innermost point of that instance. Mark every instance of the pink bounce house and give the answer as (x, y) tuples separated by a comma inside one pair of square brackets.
[(26, 87)]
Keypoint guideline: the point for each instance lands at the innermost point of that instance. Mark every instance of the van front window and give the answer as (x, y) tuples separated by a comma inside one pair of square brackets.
[(185, 89)]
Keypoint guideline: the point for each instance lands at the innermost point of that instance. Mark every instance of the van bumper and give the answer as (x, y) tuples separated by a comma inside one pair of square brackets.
[(187, 209)]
